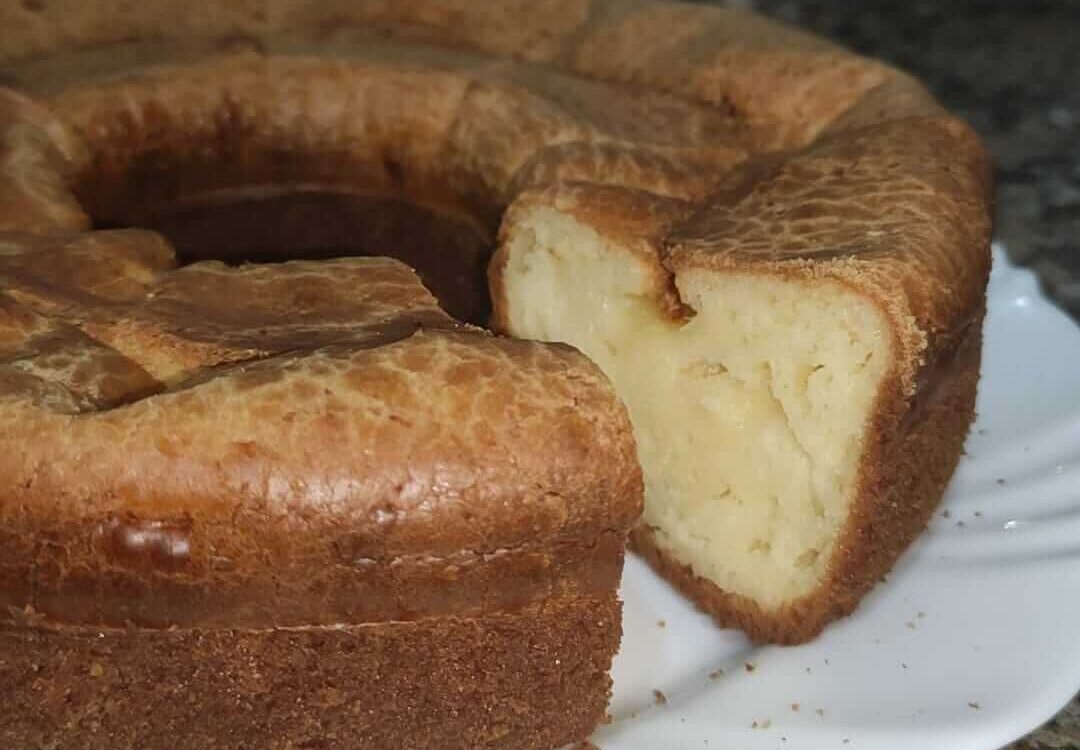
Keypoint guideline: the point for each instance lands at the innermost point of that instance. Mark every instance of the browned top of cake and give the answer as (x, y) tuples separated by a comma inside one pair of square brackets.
[(262, 411)]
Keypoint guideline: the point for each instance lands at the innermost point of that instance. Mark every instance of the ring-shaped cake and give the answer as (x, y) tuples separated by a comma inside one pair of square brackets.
[(256, 491)]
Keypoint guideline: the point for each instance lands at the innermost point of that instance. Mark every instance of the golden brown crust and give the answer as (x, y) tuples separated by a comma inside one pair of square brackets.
[(526, 680), (305, 473), (357, 435), (874, 208)]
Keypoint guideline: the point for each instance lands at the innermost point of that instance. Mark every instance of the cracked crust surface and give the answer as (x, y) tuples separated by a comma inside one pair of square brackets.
[(270, 435)]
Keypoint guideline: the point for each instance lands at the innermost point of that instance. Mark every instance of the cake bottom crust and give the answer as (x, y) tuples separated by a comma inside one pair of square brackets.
[(537, 678), (901, 486)]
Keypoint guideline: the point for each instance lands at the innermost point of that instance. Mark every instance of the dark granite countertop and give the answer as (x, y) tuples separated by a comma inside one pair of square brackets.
[(1012, 69)]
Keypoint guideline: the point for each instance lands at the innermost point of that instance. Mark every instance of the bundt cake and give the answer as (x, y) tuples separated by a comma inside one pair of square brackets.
[(260, 488)]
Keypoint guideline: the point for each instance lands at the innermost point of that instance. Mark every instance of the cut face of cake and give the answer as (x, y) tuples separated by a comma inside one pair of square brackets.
[(799, 386), (750, 413)]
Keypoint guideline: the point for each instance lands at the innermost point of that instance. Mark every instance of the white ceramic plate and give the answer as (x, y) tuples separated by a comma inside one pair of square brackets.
[(973, 641)]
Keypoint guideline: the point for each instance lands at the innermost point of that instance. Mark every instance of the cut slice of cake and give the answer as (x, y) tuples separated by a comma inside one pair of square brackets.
[(799, 376)]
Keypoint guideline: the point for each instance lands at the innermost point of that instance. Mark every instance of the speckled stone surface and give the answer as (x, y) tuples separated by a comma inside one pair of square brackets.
[(1061, 733), (1012, 69)]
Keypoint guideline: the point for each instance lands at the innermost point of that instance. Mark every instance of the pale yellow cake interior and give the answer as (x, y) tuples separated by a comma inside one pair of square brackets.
[(749, 416)]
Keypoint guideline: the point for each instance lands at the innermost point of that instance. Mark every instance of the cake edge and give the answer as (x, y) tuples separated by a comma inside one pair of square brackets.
[(441, 682)]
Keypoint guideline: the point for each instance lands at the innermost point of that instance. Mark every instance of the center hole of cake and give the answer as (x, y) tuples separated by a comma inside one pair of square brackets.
[(277, 223)]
